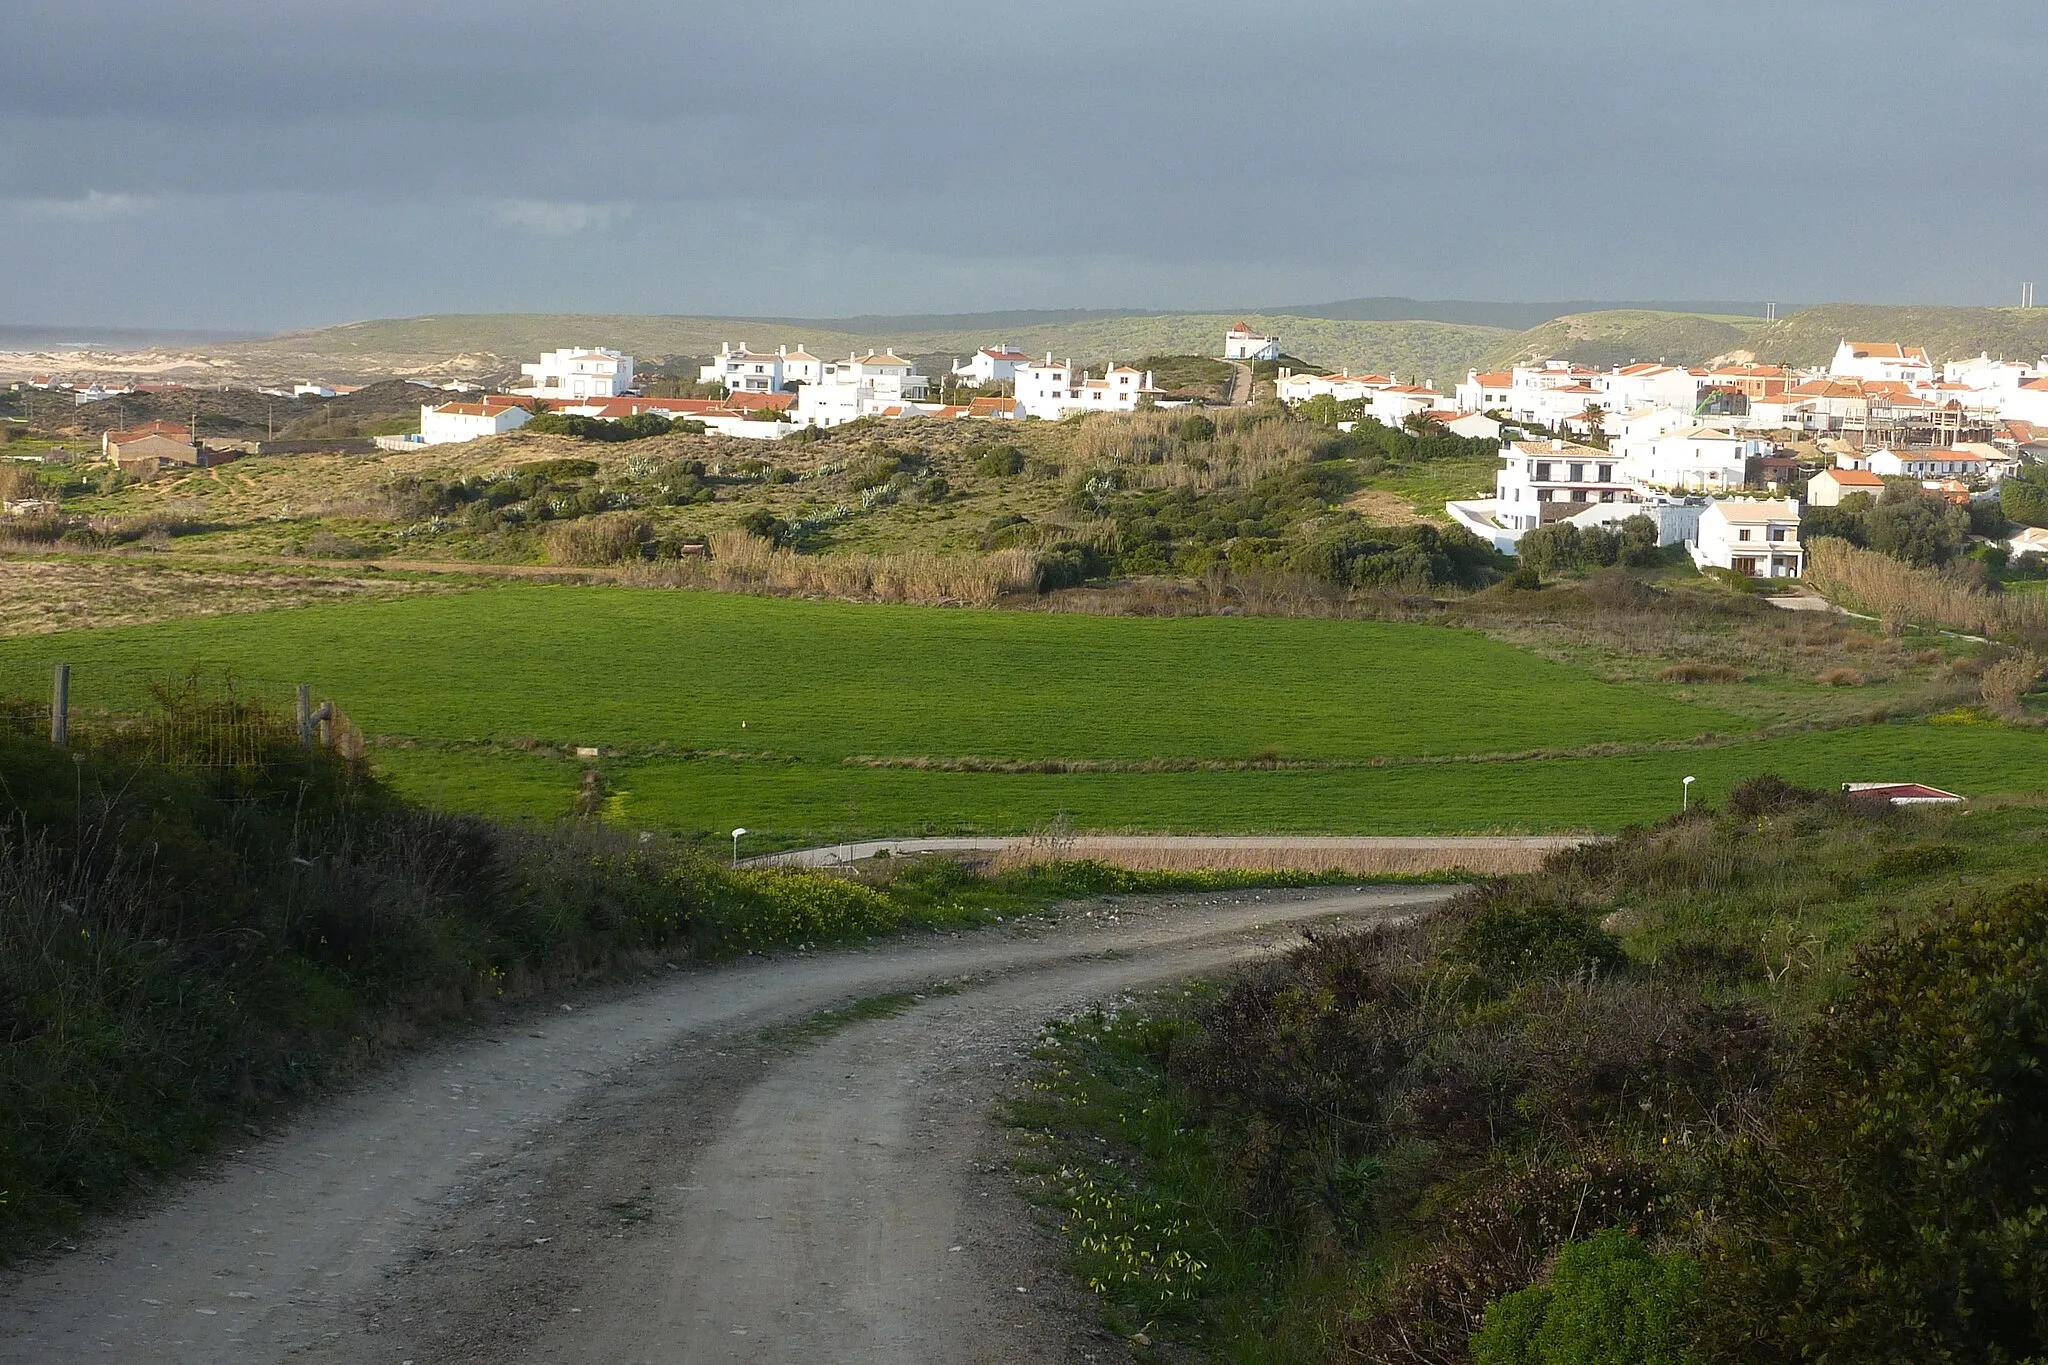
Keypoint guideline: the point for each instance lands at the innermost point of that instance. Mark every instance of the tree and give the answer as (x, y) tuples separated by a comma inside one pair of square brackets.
[(1907, 524), (2024, 498), (1895, 1207)]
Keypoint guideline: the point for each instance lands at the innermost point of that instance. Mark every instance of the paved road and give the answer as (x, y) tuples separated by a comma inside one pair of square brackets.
[(651, 1178), (1240, 384), (1222, 850)]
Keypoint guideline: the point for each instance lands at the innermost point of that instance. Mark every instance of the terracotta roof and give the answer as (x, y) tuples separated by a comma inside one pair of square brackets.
[(1853, 478), (1886, 350), (1497, 379), (991, 407), (156, 428)]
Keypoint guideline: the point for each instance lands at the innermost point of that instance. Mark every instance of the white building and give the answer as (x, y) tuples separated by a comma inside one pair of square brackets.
[(873, 385), (1928, 464), (1692, 459), (1535, 475), (2027, 403), (1396, 403), (1242, 343), (1052, 390), (578, 372), (1830, 486), (1638, 386), (494, 415), (1881, 360), (1756, 538), (1486, 392), (1291, 388), (744, 371), (991, 365)]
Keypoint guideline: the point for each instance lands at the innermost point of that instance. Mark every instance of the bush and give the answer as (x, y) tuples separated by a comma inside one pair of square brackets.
[(589, 541), (763, 524), (1194, 430), (1896, 1208), (996, 462), (1608, 1302), (1906, 524), (1512, 940)]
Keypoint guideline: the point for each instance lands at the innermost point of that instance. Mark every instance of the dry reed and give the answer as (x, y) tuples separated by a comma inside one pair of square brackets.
[(1896, 591), (739, 562)]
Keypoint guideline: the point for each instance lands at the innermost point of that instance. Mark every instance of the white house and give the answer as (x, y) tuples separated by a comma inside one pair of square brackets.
[(1928, 464), (493, 415), (1474, 426), (1487, 391), (991, 365), (1396, 403), (1536, 474), (1881, 360), (1291, 388), (578, 372), (872, 385), (2031, 541), (1830, 486), (1756, 538), (1693, 459), (1242, 343), (1049, 390), (1637, 386)]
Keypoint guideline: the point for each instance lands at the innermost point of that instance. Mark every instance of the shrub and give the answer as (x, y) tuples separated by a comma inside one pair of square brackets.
[(1839, 677), (327, 545), (1513, 939), (1895, 1207), (2006, 681), (1906, 524), (1608, 1302), (996, 462), (1701, 673), (1195, 429), (765, 525), (609, 539)]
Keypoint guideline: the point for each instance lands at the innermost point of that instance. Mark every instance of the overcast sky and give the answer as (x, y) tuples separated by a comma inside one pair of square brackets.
[(275, 163)]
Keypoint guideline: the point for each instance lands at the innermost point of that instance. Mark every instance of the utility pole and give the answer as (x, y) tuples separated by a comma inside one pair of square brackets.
[(60, 706)]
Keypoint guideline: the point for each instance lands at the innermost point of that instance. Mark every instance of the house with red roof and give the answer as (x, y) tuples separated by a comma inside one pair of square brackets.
[(1243, 342)]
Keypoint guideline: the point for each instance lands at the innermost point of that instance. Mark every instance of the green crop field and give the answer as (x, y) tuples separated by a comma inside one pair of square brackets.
[(713, 710)]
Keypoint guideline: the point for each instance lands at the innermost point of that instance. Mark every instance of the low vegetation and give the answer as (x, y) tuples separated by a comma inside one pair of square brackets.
[(187, 949), (1753, 1084)]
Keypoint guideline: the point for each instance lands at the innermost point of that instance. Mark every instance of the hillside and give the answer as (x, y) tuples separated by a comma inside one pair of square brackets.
[(492, 344), (1810, 337), (1619, 336)]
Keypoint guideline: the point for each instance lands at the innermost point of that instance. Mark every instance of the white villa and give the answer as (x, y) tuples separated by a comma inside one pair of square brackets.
[(1487, 392), (1928, 464), (1242, 343), (450, 423), (578, 372), (1692, 459), (1052, 390), (1756, 538), (1555, 475), (991, 365), (1876, 361), (743, 371), (873, 385)]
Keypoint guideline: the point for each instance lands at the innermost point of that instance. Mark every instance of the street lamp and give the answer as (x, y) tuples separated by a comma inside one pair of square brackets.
[(738, 832), (1685, 794)]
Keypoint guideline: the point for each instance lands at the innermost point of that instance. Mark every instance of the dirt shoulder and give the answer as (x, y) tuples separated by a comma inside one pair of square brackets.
[(650, 1177)]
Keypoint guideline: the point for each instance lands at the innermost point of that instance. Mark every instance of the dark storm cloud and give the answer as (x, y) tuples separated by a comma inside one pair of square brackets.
[(233, 162)]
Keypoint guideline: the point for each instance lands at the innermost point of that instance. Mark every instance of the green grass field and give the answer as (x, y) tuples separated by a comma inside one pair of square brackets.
[(719, 710)]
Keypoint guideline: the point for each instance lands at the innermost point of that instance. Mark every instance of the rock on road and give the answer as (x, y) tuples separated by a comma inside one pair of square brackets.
[(661, 1175)]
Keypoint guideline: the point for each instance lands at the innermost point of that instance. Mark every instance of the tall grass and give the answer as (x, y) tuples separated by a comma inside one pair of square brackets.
[(1150, 451), (1896, 591), (1307, 855), (739, 562)]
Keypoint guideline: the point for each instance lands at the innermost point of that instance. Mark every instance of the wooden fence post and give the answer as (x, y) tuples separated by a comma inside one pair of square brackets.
[(305, 715), (60, 706)]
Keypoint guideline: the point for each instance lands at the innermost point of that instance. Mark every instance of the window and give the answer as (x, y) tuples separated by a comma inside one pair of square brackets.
[(1743, 534), (1543, 469), (1607, 473), (1578, 472)]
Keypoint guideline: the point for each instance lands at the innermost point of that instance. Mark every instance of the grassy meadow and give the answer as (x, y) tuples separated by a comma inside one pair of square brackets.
[(815, 720)]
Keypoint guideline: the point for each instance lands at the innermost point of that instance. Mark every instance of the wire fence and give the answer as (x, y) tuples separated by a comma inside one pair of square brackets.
[(200, 718)]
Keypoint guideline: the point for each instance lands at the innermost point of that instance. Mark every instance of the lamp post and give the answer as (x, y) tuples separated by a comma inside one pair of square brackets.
[(1685, 794), (736, 846)]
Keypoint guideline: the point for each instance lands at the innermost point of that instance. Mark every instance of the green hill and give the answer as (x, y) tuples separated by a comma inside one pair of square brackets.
[(1619, 336), (1809, 337)]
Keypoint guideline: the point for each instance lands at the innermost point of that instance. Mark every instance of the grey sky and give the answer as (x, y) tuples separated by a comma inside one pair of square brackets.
[(271, 163)]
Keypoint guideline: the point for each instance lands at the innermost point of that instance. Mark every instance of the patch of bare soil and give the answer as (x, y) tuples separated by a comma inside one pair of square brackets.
[(45, 596)]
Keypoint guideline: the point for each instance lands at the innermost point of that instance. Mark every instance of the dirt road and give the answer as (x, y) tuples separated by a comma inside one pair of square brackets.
[(652, 1177)]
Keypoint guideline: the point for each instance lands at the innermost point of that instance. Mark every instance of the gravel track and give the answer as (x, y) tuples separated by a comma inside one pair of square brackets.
[(661, 1175)]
